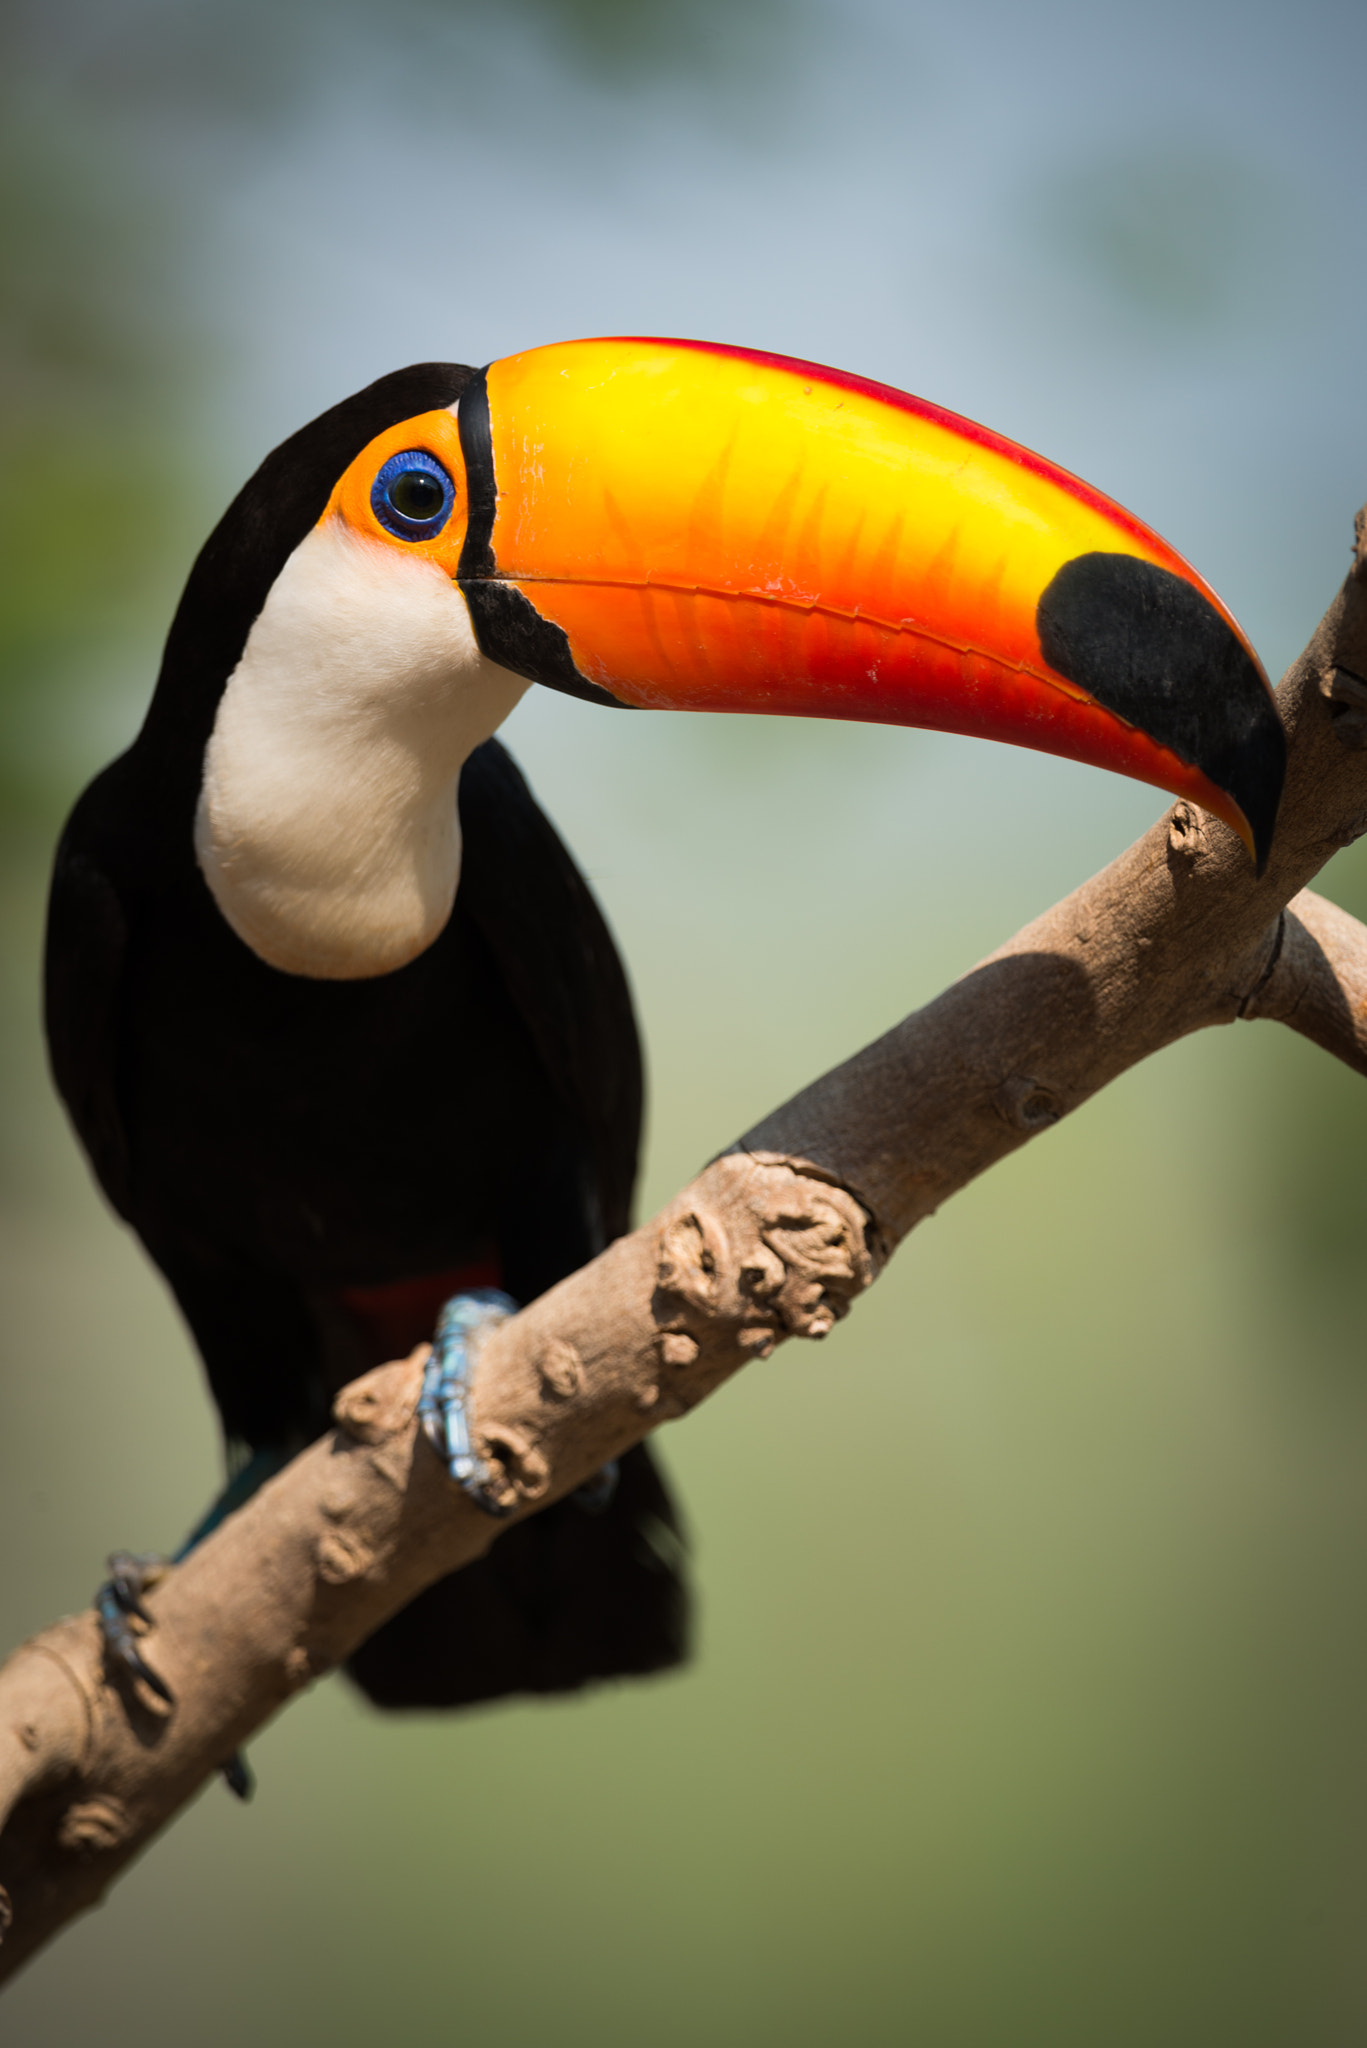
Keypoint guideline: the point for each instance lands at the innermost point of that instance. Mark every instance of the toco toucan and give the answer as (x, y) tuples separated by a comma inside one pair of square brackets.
[(336, 1018)]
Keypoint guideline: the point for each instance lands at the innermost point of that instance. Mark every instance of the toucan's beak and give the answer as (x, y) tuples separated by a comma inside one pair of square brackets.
[(674, 524), (670, 523)]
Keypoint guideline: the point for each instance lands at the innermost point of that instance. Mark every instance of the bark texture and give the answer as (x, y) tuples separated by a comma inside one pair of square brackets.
[(773, 1240)]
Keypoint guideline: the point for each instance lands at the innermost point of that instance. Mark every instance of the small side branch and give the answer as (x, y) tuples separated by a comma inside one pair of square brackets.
[(1318, 982), (774, 1240)]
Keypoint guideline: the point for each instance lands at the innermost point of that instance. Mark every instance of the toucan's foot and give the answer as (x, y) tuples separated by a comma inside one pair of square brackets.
[(119, 1606), (442, 1408), (596, 1494)]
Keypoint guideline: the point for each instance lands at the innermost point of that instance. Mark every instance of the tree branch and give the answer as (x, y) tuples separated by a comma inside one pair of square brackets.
[(773, 1240), (1318, 980)]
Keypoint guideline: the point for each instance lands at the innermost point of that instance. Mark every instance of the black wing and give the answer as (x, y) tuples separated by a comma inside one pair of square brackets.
[(86, 940), (538, 917)]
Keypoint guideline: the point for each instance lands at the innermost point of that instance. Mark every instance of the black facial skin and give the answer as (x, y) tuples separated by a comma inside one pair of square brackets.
[(508, 627), (1153, 649)]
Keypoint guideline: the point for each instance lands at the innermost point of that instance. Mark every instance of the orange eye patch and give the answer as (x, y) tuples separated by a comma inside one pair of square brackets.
[(412, 496)]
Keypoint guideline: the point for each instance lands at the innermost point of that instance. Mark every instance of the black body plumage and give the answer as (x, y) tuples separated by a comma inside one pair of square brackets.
[(295, 1152)]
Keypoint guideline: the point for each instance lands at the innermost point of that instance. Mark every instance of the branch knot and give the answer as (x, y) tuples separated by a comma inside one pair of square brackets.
[(1028, 1104), (1186, 832), (776, 1252)]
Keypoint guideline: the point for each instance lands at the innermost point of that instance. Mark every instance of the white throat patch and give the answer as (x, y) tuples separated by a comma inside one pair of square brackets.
[(327, 825)]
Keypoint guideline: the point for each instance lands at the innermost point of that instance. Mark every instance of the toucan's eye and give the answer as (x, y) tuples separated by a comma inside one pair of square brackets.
[(412, 496)]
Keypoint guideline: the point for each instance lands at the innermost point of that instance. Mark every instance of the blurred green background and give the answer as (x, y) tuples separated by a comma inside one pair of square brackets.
[(1029, 1698)]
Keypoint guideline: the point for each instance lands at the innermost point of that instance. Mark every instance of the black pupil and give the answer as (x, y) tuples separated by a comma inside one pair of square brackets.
[(416, 495)]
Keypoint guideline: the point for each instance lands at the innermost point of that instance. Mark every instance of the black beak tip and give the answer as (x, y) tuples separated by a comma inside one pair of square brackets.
[(1254, 775), (1152, 648)]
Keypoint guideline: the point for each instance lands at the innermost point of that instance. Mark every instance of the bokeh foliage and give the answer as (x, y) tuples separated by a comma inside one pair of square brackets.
[(89, 473), (1178, 236)]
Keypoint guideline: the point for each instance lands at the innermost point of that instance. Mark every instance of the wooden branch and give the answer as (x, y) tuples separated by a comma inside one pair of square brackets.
[(1318, 980), (773, 1240)]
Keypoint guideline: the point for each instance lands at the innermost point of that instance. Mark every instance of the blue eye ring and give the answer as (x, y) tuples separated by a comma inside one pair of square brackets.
[(412, 476)]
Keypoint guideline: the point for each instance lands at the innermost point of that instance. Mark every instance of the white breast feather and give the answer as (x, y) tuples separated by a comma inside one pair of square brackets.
[(327, 825)]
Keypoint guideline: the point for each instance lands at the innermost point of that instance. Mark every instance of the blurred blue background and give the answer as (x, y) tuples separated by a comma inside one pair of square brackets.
[(1029, 1698)]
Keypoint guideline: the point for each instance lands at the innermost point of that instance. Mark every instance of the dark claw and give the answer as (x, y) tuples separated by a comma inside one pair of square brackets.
[(237, 1776), (120, 1599), (130, 1574)]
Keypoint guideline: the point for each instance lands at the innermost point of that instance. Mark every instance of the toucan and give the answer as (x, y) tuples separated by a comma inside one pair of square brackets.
[(334, 1015)]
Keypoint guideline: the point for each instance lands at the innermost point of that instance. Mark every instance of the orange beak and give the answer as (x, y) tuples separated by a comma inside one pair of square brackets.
[(674, 524)]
